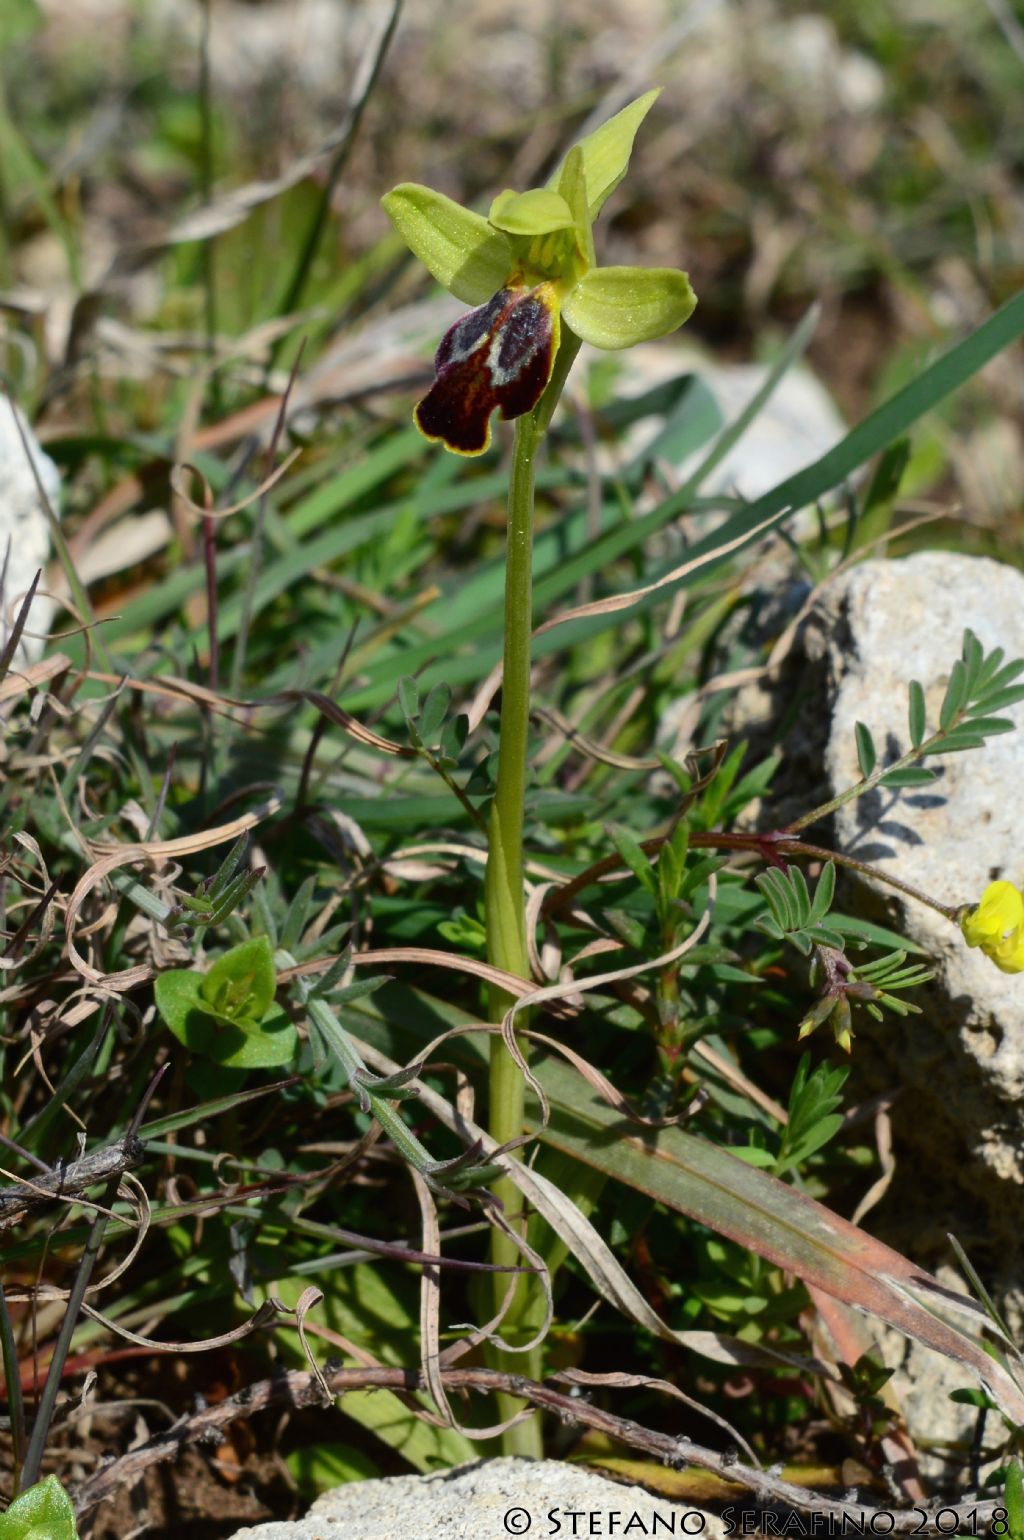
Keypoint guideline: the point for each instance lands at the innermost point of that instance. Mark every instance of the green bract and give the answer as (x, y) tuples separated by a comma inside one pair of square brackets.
[(529, 267)]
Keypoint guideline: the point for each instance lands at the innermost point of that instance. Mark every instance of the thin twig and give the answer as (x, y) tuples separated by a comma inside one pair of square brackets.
[(48, 1400), (69, 1181), (362, 91), (298, 1389)]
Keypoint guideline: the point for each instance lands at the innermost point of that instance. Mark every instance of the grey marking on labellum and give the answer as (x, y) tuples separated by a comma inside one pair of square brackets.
[(526, 331), (471, 330)]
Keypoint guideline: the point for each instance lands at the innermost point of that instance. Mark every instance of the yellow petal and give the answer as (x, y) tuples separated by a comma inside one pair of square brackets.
[(998, 916), (1009, 953)]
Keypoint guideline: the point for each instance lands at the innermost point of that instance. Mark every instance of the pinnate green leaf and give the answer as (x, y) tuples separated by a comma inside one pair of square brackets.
[(913, 775), (956, 694), (973, 655), (435, 709), (867, 756), (824, 892), (916, 712), (777, 891), (995, 700), (798, 883), (409, 698)]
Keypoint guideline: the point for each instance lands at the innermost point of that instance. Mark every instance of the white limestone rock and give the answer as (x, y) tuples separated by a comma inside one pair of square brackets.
[(799, 422), (489, 1498), (24, 528), (958, 1067)]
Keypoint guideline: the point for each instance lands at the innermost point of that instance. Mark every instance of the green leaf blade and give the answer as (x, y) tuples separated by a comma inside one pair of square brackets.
[(44, 1512), (956, 694), (867, 756), (633, 856), (913, 775), (917, 714)]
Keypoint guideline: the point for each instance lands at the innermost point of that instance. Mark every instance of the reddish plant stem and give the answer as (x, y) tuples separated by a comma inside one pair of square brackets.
[(773, 848)]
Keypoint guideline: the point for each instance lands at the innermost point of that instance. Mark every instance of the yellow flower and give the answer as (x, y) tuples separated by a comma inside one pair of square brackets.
[(997, 926)]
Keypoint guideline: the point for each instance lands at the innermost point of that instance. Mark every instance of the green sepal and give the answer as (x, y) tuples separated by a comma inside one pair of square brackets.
[(537, 212), (615, 307), (607, 150), (466, 255)]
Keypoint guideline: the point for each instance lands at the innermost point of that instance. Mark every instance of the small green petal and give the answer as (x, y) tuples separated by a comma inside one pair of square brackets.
[(536, 212), (572, 184), (607, 150), (457, 247), (615, 307)]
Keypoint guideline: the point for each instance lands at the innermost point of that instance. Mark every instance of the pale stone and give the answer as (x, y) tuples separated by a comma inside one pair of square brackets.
[(956, 1072), (491, 1498), (797, 424), (24, 528), (959, 1067), (884, 625)]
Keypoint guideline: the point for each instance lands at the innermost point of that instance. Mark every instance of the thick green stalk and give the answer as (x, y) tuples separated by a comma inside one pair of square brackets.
[(504, 895)]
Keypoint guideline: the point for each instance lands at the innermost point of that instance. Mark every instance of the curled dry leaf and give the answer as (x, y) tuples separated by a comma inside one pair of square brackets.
[(128, 855)]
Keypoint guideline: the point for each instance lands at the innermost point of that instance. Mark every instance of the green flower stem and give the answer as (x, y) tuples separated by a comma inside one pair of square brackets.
[(12, 1379), (504, 899)]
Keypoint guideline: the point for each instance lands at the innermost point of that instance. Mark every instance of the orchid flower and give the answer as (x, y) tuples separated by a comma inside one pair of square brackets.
[(529, 269)]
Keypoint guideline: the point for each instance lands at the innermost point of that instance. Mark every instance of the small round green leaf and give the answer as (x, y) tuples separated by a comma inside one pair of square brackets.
[(616, 307), (240, 986), (409, 698), (251, 1042), (44, 1512), (273, 1041), (180, 1004)]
